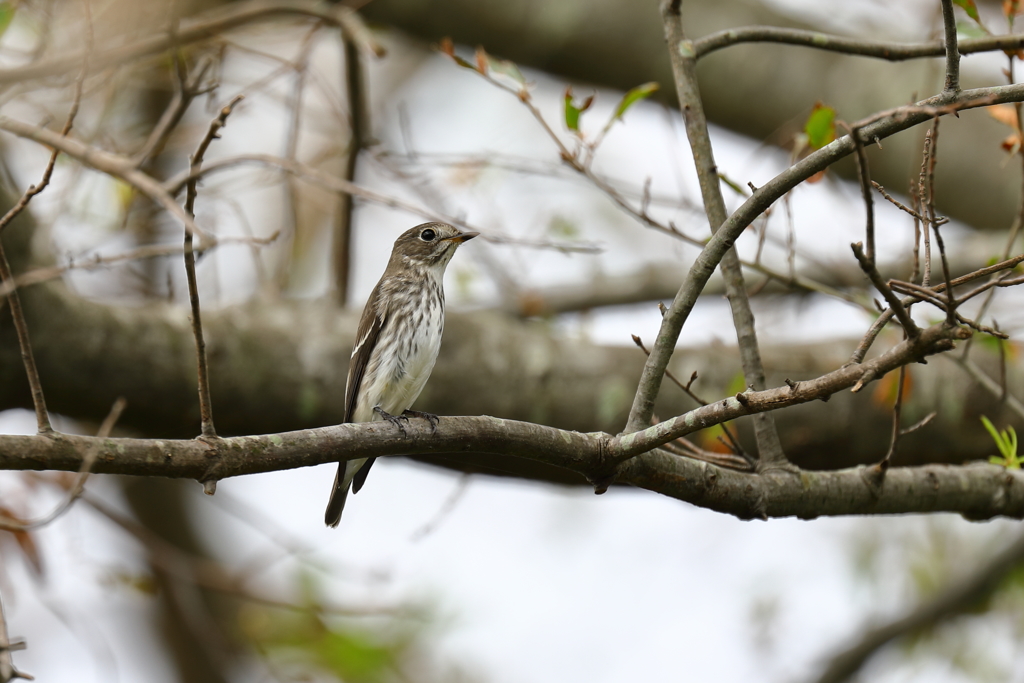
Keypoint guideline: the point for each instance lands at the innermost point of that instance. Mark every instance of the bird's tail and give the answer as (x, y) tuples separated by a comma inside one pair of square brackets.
[(342, 482)]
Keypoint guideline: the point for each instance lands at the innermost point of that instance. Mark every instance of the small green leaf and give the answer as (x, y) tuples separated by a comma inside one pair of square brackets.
[(737, 384), (573, 110), (969, 29), (562, 227), (969, 7), (992, 431), (6, 16), (821, 126), (507, 68), (1006, 442), (633, 96), (733, 185)]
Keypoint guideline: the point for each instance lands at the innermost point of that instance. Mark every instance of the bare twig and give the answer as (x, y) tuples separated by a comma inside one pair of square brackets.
[(734, 443), (864, 175), (933, 158), (195, 163), (894, 52), (684, 64), (187, 88), (78, 487), (990, 385), (897, 432), (887, 315), (300, 69), (113, 165), (359, 133), (336, 184), (148, 251), (6, 276), (952, 85), (7, 670), (876, 279)]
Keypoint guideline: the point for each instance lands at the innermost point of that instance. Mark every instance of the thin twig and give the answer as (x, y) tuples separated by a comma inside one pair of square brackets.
[(8, 672), (897, 410), (894, 52), (684, 65), (933, 159), (359, 132), (876, 279), (196, 162), (952, 85), (895, 202), (734, 443), (187, 88), (148, 251), (300, 68), (864, 176), (6, 276), (78, 487), (925, 201)]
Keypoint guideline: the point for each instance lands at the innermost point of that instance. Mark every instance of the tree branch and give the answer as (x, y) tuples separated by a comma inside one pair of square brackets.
[(684, 66), (979, 491)]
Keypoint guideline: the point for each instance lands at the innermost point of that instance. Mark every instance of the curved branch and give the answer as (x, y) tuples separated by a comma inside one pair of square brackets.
[(877, 127), (893, 52)]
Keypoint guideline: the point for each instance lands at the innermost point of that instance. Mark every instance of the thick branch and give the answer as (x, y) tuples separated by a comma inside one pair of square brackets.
[(979, 491)]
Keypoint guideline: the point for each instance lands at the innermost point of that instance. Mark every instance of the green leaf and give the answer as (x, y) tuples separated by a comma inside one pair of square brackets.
[(733, 185), (506, 68), (969, 29), (969, 7), (737, 384), (6, 16), (633, 96), (573, 110), (992, 431), (821, 126)]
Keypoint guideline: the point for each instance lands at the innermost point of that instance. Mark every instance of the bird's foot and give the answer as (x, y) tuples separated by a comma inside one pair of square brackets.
[(429, 417), (393, 419)]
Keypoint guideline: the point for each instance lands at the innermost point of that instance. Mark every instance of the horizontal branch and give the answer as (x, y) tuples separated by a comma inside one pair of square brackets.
[(893, 52), (192, 30), (978, 491)]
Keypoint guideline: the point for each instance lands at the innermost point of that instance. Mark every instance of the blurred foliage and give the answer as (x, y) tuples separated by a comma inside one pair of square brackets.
[(922, 559), (310, 642)]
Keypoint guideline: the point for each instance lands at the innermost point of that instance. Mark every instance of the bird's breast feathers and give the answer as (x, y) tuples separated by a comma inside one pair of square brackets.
[(405, 354)]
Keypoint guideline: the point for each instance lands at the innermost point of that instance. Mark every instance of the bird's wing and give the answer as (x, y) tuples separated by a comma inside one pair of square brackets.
[(370, 326)]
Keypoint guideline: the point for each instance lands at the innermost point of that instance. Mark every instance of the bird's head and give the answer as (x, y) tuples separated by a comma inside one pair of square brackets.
[(430, 245)]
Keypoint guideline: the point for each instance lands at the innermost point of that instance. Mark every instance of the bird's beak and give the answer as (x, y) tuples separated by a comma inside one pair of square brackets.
[(463, 237)]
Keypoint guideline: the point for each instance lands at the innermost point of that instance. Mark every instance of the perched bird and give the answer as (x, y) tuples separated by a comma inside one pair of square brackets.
[(397, 342)]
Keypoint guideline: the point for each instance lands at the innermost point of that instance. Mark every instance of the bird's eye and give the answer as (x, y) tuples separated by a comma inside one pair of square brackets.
[(428, 235)]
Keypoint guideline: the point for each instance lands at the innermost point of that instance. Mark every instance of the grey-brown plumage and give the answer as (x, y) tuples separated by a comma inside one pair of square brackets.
[(397, 340)]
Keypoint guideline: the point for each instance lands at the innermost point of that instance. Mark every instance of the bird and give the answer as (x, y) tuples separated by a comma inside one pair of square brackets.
[(397, 341)]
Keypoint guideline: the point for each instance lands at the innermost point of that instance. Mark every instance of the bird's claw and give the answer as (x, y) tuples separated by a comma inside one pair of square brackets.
[(393, 419), (429, 417)]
